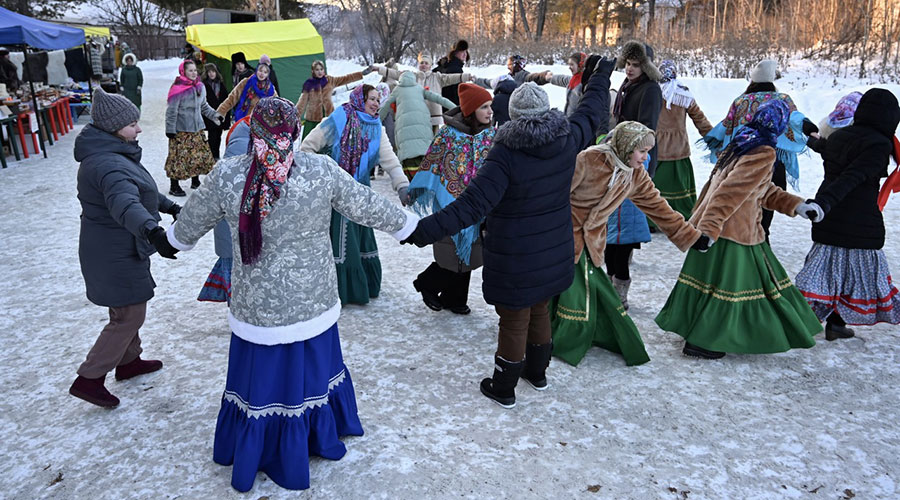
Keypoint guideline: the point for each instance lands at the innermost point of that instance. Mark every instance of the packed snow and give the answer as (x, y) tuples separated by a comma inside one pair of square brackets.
[(816, 423)]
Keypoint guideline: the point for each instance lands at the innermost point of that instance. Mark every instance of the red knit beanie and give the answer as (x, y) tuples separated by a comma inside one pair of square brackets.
[(471, 97)]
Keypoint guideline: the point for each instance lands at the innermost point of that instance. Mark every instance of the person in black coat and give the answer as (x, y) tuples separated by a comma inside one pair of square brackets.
[(9, 75), (215, 94), (846, 278), (240, 68), (640, 97), (120, 207), (523, 191), (500, 105), (453, 63)]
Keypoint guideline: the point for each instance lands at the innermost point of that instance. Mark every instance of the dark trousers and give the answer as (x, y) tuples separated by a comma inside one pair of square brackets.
[(451, 287), (118, 343), (519, 327), (214, 137), (617, 259), (779, 177)]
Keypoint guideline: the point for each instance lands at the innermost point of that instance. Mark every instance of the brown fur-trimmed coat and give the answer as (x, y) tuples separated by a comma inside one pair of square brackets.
[(316, 105), (593, 201), (730, 205)]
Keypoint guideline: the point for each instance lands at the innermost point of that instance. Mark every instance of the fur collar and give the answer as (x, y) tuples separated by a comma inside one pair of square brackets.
[(533, 132)]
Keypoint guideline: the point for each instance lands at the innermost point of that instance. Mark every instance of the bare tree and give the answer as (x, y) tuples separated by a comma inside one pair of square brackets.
[(140, 20)]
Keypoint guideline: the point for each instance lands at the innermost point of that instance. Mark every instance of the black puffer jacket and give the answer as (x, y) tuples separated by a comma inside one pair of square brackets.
[(523, 190), (500, 105), (452, 65), (856, 158)]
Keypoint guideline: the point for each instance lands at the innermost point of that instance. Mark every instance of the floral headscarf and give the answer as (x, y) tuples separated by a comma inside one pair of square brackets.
[(843, 112), (673, 91), (576, 78), (769, 122), (354, 140), (274, 127), (183, 84), (519, 63)]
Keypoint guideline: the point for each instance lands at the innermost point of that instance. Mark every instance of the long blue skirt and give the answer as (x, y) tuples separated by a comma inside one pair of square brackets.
[(282, 404)]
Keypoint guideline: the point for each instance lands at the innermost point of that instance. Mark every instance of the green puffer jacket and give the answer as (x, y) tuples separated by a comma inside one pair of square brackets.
[(412, 129)]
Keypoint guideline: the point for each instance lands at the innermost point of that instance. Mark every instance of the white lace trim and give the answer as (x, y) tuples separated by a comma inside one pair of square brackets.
[(282, 409)]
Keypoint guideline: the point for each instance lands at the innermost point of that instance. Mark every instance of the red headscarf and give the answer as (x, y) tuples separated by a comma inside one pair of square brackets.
[(576, 78), (184, 84)]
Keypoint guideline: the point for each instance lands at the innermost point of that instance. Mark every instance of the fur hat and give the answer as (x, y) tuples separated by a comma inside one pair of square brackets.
[(641, 52), (527, 101), (112, 112), (459, 46), (471, 97), (764, 72), (126, 56), (239, 57)]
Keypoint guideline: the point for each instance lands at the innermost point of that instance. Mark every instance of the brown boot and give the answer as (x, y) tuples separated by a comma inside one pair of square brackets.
[(93, 391), (137, 367)]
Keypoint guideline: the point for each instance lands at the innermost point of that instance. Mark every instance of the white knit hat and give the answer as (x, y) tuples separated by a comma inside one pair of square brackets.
[(764, 72)]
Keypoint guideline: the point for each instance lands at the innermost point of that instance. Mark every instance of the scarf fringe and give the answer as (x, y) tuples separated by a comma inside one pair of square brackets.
[(426, 203), (251, 243)]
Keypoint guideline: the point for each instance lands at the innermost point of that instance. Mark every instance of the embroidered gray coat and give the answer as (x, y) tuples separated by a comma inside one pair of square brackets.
[(290, 293)]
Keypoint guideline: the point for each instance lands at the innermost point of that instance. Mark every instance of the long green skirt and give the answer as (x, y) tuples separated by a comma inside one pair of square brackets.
[(737, 298), (356, 258), (308, 127), (590, 313), (675, 181)]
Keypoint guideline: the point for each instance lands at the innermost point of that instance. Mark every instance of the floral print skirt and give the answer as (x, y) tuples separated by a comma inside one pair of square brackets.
[(189, 156)]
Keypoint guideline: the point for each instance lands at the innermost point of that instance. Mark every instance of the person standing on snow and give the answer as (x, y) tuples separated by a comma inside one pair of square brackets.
[(248, 92), (523, 191), (453, 63), (131, 79), (314, 103), (120, 207), (215, 94), (240, 69)]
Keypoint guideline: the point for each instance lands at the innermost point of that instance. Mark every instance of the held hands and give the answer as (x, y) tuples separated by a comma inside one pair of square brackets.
[(220, 118), (416, 238), (703, 243), (403, 194), (810, 128), (159, 240), (174, 211), (811, 210)]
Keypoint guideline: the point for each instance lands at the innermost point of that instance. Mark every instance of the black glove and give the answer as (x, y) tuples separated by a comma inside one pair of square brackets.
[(170, 135), (809, 128), (158, 237), (703, 243), (597, 64), (174, 211), (416, 238)]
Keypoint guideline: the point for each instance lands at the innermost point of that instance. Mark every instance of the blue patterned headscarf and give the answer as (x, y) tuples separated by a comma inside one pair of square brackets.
[(769, 122)]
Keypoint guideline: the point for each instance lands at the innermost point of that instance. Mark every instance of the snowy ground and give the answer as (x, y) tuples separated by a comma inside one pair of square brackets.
[(817, 423)]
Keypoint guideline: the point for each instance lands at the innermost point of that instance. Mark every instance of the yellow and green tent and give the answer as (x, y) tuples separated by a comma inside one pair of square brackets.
[(292, 45)]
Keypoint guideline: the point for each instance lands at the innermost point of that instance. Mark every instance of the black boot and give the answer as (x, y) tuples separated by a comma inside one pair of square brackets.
[(502, 386), (175, 189), (431, 299), (699, 352), (834, 331), (195, 182), (537, 359)]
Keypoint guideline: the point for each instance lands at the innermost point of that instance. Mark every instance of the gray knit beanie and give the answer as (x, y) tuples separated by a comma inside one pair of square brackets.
[(528, 100), (112, 112)]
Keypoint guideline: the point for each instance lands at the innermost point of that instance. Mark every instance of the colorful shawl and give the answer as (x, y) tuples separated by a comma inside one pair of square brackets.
[(273, 129), (576, 78), (789, 144), (673, 91), (844, 111), (768, 123), (448, 167), (183, 84), (357, 137), (253, 91), (314, 84)]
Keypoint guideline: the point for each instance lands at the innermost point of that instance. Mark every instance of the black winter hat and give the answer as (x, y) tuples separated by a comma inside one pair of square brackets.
[(878, 109), (459, 46), (238, 57)]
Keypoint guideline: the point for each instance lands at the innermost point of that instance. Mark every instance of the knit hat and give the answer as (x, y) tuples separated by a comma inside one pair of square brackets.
[(112, 112), (528, 100), (471, 97), (264, 59), (425, 58), (764, 72)]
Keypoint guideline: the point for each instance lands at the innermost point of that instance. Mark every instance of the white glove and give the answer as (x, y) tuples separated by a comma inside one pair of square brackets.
[(220, 118), (811, 210)]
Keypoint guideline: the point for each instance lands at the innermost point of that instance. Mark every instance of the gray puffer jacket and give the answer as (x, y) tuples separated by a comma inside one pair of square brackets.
[(185, 113), (120, 204), (290, 293), (573, 95)]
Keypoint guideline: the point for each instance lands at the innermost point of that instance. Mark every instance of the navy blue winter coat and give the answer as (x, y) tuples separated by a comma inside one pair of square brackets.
[(120, 205), (523, 190), (500, 104)]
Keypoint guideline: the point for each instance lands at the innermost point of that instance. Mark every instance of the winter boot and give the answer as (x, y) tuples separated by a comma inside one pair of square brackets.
[(834, 331), (175, 189), (699, 352), (463, 309), (502, 386), (537, 359), (622, 287), (431, 299), (93, 391), (195, 182), (137, 367)]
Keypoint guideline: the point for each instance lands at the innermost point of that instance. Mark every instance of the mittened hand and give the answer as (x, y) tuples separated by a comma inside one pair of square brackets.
[(174, 211), (403, 194), (811, 210), (703, 243), (416, 238), (159, 240), (809, 128), (170, 135)]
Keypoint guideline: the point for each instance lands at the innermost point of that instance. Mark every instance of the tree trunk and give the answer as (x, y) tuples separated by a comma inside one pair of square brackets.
[(651, 5), (605, 21), (524, 19), (573, 27), (542, 16)]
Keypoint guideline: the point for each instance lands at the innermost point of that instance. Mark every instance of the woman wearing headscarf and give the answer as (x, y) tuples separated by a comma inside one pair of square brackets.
[(215, 94), (451, 162), (674, 173), (354, 137), (572, 83), (248, 92), (189, 154), (590, 311), (314, 104), (733, 295), (288, 394)]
